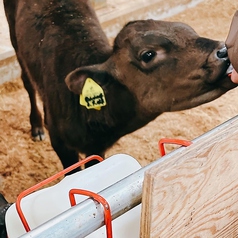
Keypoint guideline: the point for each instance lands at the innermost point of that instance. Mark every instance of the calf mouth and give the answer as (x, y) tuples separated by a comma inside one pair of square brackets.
[(221, 78), (215, 89), (224, 80), (226, 69)]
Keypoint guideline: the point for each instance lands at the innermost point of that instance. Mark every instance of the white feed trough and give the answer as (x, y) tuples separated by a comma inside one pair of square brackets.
[(48, 203)]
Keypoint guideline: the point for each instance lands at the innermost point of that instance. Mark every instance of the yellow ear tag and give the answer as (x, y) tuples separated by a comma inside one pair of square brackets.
[(92, 96)]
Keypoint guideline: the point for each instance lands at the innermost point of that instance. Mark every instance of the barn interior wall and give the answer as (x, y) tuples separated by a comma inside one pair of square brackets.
[(113, 14)]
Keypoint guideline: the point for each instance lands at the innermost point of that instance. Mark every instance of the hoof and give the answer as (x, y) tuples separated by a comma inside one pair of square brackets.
[(38, 134)]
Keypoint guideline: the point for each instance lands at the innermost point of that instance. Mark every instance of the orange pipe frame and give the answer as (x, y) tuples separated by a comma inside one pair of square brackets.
[(99, 199), (171, 141), (47, 181)]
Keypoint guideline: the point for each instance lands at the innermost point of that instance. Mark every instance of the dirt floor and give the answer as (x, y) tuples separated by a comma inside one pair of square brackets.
[(23, 162)]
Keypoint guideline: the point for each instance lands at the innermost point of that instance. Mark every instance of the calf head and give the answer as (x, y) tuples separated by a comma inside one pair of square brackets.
[(166, 66)]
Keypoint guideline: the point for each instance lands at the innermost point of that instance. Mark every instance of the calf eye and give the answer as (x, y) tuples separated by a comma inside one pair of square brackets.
[(148, 56)]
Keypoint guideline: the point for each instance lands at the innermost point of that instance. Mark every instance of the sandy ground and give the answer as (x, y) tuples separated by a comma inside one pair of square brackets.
[(23, 162)]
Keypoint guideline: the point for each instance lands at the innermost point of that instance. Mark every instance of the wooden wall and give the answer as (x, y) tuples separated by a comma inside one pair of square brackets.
[(99, 3), (194, 193)]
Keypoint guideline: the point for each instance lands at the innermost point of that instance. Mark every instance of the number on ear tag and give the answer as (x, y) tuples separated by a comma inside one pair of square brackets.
[(92, 96)]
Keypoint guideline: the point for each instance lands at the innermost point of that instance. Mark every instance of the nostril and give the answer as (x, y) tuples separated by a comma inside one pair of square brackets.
[(222, 53)]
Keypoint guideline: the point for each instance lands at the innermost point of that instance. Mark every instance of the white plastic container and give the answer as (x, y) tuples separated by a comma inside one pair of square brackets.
[(47, 203)]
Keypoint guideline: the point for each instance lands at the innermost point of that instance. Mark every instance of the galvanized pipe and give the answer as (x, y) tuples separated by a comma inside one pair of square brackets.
[(87, 216)]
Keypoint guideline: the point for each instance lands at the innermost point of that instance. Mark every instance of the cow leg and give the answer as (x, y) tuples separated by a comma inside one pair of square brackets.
[(67, 156), (37, 130), (45, 117), (93, 162)]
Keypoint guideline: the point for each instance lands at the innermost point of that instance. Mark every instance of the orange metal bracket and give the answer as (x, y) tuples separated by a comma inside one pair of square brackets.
[(47, 181), (171, 141), (98, 198)]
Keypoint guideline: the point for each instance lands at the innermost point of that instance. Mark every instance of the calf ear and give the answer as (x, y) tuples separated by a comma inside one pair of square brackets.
[(76, 79)]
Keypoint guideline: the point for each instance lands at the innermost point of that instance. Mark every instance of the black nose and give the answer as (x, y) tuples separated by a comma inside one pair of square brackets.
[(222, 53)]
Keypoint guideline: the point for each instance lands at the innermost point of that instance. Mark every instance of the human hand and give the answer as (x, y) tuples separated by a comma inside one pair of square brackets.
[(234, 76)]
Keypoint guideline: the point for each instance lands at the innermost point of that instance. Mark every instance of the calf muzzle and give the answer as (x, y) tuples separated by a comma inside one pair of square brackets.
[(222, 53)]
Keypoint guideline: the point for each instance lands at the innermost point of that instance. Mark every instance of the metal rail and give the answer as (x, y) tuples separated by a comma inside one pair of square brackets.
[(86, 217)]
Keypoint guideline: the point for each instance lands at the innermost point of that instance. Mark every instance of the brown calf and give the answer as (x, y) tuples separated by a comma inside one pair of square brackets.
[(153, 67)]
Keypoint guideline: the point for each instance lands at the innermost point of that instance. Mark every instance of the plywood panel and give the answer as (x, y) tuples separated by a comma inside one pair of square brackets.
[(195, 193)]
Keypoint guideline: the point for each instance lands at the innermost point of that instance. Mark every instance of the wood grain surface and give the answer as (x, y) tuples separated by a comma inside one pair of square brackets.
[(195, 193)]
